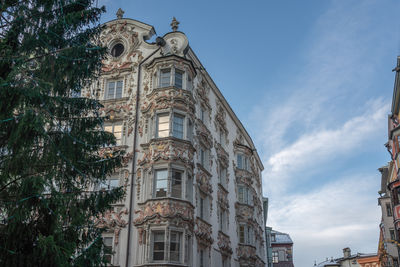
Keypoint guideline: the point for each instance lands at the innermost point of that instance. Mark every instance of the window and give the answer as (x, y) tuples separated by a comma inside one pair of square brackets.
[(392, 235), (204, 158), (178, 78), (244, 195), (116, 129), (158, 245), (201, 207), (178, 126), (109, 184), (176, 184), (117, 50), (174, 246), (202, 258), (163, 249), (222, 139), (108, 245), (222, 176), (165, 128), (161, 181), (246, 234), (114, 90), (273, 238), (165, 77), (163, 125), (242, 162), (188, 248), (203, 115), (189, 188), (223, 219), (226, 262), (275, 257), (170, 183), (388, 210)]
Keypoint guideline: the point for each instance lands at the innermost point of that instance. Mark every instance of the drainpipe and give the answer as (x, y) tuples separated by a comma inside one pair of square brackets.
[(160, 42)]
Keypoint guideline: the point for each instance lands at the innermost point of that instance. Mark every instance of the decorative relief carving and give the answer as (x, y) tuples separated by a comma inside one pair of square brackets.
[(157, 211), (222, 155), (248, 256), (244, 212), (203, 232), (203, 135), (112, 220), (202, 91), (223, 201), (224, 243), (203, 180), (164, 98), (168, 150), (121, 32), (220, 116)]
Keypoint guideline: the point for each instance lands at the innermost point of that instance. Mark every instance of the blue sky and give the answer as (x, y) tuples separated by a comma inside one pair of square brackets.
[(312, 82)]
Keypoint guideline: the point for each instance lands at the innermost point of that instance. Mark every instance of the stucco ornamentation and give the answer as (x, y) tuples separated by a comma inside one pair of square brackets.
[(224, 243), (243, 211), (203, 180), (203, 232), (223, 201), (112, 220), (156, 211)]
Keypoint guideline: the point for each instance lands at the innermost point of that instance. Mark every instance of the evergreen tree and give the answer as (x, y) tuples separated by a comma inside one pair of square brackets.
[(51, 141)]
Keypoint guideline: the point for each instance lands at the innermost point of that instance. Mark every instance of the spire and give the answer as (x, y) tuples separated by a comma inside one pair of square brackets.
[(174, 24), (120, 13)]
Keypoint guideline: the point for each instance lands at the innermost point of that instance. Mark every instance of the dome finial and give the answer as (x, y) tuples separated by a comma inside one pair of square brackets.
[(174, 24), (120, 13)]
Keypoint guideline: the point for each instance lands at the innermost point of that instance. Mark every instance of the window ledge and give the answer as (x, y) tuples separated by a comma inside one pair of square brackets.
[(167, 199), (113, 100), (168, 138), (161, 264)]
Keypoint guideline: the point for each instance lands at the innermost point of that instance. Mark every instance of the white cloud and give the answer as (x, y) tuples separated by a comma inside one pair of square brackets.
[(325, 220), (320, 146)]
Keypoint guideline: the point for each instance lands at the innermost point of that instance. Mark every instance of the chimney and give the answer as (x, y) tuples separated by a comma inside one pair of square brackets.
[(346, 253)]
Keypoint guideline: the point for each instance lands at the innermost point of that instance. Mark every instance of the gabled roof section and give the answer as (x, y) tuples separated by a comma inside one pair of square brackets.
[(281, 238), (144, 26)]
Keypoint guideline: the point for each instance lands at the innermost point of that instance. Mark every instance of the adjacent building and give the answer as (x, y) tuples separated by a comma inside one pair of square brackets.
[(351, 260), (282, 249), (191, 172), (388, 249)]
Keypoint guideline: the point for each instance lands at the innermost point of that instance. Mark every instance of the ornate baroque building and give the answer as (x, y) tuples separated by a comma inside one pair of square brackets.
[(192, 175)]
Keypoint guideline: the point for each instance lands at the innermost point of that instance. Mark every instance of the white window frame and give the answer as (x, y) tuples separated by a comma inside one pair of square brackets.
[(186, 78), (116, 81), (187, 125), (275, 256), (186, 182), (203, 207), (223, 175), (242, 162), (110, 255), (247, 195), (167, 244), (108, 184), (223, 220)]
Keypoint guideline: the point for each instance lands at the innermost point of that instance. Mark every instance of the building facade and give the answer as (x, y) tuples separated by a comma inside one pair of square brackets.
[(351, 260), (282, 249), (388, 249), (392, 173), (191, 172)]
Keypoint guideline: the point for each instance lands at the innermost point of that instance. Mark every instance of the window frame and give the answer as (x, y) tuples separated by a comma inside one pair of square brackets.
[(181, 241), (246, 234), (389, 212), (113, 124), (110, 255), (172, 127), (245, 195), (275, 257), (173, 72), (186, 182), (114, 96)]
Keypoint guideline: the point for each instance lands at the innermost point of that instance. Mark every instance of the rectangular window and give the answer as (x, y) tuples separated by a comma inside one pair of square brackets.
[(178, 126), (392, 235), (176, 184), (174, 246), (108, 245), (202, 115), (114, 90), (202, 156), (165, 77), (242, 234), (116, 129), (240, 161), (201, 258), (222, 138), (161, 181), (275, 257), (188, 248), (178, 78), (189, 130), (241, 194), (163, 125), (388, 209), (158, 246), (109, 184), (223, 220), (189, 188), (201, 208)]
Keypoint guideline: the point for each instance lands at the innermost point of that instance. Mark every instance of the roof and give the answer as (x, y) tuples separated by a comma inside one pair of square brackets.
[(281, 238), (336, 262)]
